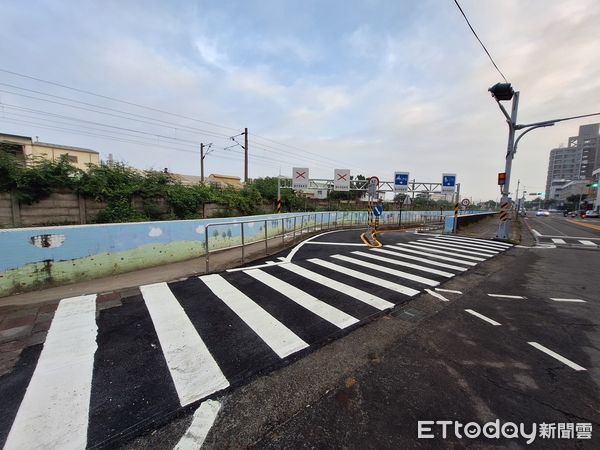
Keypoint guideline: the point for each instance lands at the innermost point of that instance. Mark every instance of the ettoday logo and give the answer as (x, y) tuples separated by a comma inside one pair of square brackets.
[(430, 429)]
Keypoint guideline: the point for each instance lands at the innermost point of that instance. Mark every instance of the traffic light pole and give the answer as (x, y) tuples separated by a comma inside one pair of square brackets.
[(503, 233)]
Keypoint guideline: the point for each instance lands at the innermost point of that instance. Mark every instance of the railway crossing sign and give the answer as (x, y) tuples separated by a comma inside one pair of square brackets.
[(341, 180), (300, 178)]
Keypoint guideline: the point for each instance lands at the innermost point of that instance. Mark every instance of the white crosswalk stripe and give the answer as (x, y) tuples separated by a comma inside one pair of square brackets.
[(589, 243), (54, 411), (434, 249), (496, 244), (452, 247), (421, 251), (365, 277), (276, 335), (194, 372), (457, 244), (358, 294), (316, 306), (417, 258), (404, 264), (558, 241), (398, 273)]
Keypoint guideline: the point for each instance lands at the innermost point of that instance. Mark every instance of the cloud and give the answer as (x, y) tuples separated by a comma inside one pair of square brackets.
[(155, 232)]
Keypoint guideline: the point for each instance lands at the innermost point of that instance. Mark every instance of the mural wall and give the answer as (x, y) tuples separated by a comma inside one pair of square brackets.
[(32, 258)]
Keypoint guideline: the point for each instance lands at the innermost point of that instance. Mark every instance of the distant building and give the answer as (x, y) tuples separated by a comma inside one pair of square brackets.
[(576, 161), (578, 187), (224, 181), (25, 148)]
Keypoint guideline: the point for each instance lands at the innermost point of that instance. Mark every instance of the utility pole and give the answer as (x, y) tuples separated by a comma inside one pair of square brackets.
[(245, 155), (202, 156), (504, 227), (202, 163)]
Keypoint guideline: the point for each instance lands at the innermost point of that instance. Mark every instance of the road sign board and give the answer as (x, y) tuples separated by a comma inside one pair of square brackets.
[(300, 178), (377, 210), (448, 182), (341, 180), (373, 184), (400, 181), (465, 202), (407, 201)]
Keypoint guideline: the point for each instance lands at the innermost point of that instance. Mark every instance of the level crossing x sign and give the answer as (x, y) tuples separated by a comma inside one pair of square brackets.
[(300, 178)]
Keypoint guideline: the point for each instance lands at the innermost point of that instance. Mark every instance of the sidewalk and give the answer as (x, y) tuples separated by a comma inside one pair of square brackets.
[(487, 228)]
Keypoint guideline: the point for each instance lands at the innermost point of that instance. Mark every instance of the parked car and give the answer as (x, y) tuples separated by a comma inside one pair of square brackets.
[(591, 214), (542, 213)]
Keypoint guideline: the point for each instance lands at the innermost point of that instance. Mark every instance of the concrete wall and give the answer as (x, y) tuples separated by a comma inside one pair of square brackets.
[(33, 258)]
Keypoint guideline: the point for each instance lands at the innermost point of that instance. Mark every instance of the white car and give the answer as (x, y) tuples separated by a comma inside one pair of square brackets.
[(592, 214), (542, 213)]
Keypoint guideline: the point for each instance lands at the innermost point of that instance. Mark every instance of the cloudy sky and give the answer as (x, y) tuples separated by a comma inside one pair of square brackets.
[(371, 85)]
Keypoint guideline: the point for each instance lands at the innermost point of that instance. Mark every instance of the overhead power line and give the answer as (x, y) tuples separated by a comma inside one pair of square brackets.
[(477, 37)]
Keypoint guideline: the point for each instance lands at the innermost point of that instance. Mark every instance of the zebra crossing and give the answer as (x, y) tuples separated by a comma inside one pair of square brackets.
[(102, 377)]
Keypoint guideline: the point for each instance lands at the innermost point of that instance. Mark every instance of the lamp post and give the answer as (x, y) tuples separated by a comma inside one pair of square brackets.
[(505, 92)]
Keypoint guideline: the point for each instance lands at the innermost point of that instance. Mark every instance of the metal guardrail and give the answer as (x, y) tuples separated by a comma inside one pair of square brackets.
[(242, 233)]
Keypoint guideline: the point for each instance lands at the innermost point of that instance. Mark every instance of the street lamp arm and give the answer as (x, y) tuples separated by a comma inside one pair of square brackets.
[(504, 112), (533, 127), (547, 122)]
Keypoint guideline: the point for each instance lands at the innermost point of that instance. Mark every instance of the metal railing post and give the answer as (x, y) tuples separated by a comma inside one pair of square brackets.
[(206, 245), (294, 235), (266, 239), (243, 241), (282, 233)]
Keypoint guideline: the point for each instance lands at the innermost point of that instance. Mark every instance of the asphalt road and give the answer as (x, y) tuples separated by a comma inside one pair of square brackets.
[(329, 345), (558, 230)]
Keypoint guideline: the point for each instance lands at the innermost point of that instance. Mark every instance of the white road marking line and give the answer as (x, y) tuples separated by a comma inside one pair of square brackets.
[(194, 372), (482, 317), (507, 296), (281, 258), (363, 296), (448, 290), (365, 277), (478, 244), (555, 355), (404, 264), (481, 241), (558, 241), (258, 266), (416, 258), (572, 300), (324, 310), (397, 273), (588, 243), (292, 252), (202, 421), (419, 251), (276, 335), (453, 248), (456, 244), (433, 249), (436, 295), (338, 243), (54, 411)]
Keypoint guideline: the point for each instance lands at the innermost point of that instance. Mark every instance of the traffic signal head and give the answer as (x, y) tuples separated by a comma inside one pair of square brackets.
[(595, 185), (502, 91), (501, 178)]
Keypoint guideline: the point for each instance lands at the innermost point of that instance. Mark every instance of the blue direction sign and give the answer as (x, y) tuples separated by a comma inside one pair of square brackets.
[(448, 181), (377, 210), (400, 181)]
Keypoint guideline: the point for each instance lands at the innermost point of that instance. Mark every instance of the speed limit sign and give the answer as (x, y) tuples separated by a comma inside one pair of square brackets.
[(465, 202)]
